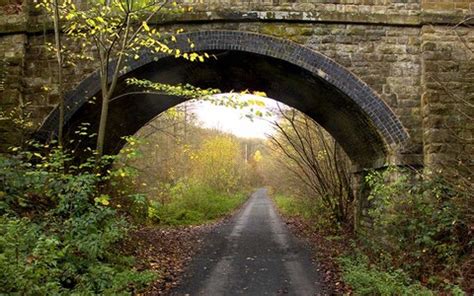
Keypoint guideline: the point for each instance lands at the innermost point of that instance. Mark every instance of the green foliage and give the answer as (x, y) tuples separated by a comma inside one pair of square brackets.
[(309, 209), (187, 91), (58, 231), (293, 206), (18, 120), (367, 280), (194, 203), (419, 226), (416, 240), (191, 175), (213, 95)]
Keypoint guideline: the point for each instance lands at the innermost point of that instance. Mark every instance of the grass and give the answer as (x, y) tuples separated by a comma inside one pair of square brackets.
[(291, 206), (304, 208), (196, 204)]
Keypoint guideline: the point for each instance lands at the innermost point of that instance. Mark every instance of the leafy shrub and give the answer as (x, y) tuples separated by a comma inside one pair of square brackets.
[(419, 225), (58, 231), (192, 202)]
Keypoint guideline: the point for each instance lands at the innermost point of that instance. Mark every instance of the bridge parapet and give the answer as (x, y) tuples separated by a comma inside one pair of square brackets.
[(21, 16)]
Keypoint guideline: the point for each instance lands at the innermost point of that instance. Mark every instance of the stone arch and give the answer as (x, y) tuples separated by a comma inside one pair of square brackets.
[(291, 73)]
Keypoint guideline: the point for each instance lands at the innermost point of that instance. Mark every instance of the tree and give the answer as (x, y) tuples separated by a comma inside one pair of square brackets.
[(316, 160), (113, 32), (59, 57), (218, 163)]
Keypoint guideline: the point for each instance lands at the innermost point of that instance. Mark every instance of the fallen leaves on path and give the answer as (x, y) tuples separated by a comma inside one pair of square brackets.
[(166, 251), (325, 252)]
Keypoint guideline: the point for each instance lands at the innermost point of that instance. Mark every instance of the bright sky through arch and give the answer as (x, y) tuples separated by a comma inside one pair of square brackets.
[(234, 121)]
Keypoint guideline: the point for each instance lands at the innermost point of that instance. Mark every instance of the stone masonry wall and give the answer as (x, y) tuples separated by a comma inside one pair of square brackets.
[(12, 58), (443, 6), (448, 99), (388, 44), (387, 58), (401, 11), (41, 70)]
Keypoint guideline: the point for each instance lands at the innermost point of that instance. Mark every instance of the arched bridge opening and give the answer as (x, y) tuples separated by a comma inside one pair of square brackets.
[(299, 77)]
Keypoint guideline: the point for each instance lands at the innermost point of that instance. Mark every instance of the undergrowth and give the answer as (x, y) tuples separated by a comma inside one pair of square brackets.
[(416, 240), (58, 230), (309, 210), (193, 203), (368, 280), (421, 225)]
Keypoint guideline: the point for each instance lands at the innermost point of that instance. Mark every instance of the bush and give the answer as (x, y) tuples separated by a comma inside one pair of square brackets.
[(192, 202), (58, 231), (417, 236), (418, 225)]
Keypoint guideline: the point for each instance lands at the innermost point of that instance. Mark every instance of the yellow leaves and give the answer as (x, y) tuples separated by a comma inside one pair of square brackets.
[(217, 162), (102, 200), (187, 91), (72, 27), (260, 94), (193, 57), (91, 22), (253, 102), (257, 157), (145, 27)]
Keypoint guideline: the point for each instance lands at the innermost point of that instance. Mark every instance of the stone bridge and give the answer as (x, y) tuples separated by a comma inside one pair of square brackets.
[(392, 80)]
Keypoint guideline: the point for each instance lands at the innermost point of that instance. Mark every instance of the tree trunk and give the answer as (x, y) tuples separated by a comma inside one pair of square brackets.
[(57, 37)]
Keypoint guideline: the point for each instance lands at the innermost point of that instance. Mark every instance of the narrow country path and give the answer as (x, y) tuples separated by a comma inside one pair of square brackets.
[(252, 254)]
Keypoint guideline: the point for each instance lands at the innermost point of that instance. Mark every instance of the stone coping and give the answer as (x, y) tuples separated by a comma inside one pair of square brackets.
[(24, 23)]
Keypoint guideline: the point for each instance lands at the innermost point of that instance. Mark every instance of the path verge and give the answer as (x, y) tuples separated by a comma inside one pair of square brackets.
[(325, 250)]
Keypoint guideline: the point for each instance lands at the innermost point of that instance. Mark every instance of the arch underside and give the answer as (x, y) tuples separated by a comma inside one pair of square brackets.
[(286, 72)]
